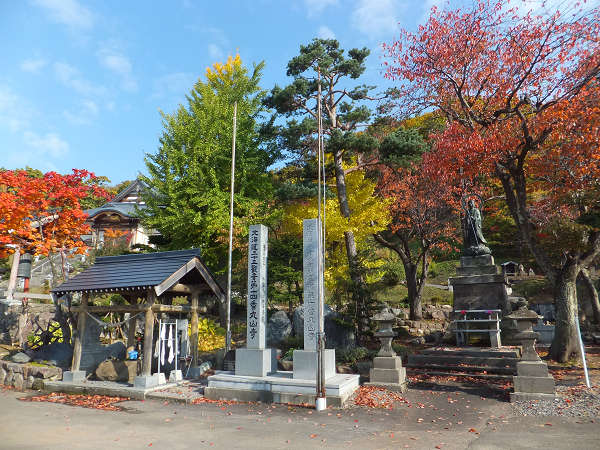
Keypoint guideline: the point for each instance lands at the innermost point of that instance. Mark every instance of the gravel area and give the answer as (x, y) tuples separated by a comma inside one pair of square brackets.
[(570, 401)]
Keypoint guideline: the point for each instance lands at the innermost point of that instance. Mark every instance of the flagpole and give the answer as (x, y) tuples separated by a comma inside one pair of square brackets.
[(228, 320), (320, 402)]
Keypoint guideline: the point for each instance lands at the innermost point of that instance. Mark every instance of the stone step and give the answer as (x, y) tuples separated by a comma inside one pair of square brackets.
[(510, 371), (474, 352), (455, 360), (460, 374)]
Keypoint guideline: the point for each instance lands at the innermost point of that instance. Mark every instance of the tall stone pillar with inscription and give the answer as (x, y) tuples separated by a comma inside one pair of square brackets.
[(305, 361), (256, 360)]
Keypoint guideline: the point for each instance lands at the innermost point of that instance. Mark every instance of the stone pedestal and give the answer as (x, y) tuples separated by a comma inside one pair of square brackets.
[(479, 285), (145, 381), (387, 371), (305, 364), (175, 376), (74, 376), (255, 362)]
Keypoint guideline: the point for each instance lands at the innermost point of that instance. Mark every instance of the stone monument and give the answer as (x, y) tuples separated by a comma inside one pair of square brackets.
[(532, 382), (479, 283), (387, 368), (305, 361), (256, 360)]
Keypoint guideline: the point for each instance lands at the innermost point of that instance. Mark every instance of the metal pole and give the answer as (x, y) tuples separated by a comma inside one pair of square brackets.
[(582, 348), (228, 320), (320, 382)]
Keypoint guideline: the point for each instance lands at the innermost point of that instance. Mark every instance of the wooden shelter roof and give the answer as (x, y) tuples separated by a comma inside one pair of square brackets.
[(159, 271)]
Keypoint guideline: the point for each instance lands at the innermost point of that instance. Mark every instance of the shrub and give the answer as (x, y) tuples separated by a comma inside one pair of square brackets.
[(210, 335), (352, 355)]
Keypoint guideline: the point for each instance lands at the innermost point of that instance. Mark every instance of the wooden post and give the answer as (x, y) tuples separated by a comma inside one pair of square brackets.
[(132, 324), (12, 281), (78, 344), (194, 327), (148, 333)]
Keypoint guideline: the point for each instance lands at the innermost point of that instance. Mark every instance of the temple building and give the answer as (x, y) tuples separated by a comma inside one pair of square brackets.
[(119, 219)]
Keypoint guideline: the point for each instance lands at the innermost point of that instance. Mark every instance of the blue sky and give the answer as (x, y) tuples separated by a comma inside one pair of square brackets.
[(82, 82)]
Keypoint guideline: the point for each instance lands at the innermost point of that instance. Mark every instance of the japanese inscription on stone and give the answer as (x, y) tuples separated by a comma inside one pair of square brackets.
[(311, 285), (257, 287)]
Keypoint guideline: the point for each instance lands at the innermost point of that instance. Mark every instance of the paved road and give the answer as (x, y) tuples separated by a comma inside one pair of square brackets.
[(450, 417)]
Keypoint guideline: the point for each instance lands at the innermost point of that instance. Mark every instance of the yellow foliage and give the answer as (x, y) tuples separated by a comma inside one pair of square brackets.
[(210, 335), (368, 215), (223, 72)]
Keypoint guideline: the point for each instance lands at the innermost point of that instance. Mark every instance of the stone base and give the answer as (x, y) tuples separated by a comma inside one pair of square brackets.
[(145, 381), (255, 362), (175, 376), (305, 364), (483, 291), (532, 369), (534, 385), (528, 396), (75, 376), (388, 370), (279, 387)]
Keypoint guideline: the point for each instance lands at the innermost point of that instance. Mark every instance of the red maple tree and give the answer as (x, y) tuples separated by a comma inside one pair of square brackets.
[(424, 212), (521, 96), (43, 214)]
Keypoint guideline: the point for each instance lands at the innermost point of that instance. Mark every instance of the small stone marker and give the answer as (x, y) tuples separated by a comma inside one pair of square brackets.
[(305, 361), (256, 359)]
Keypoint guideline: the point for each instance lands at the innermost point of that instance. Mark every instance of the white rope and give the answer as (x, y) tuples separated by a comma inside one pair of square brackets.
[(112, 324)]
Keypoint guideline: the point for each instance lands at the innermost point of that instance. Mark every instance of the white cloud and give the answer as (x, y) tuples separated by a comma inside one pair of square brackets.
[(68, 12), (70, 77), (173, 85), (215, 52), (376, 18), (325, 32), (50, 143), (33, 65), (315, 7), (15, 112), (85, 114), (119, 64)]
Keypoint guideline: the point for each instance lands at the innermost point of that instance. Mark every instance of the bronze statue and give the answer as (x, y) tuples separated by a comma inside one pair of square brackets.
[(474, 242)]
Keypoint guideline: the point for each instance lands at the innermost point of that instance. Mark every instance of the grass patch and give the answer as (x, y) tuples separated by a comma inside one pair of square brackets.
[(398, 295), (439, 272)]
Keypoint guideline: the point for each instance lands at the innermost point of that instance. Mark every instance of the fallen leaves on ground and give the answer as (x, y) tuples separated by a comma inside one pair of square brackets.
[(377, 397), (103, 402)]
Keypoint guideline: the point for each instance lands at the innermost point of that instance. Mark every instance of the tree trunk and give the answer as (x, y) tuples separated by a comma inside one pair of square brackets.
[(565, 342), (589, 284), (414, 293), (359, 291)]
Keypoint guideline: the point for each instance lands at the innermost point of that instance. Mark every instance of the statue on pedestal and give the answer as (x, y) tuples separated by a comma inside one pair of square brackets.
[(474, 242)]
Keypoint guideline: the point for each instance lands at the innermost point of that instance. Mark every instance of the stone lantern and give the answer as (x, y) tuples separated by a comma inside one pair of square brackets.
[(533, 382), (387, 368)]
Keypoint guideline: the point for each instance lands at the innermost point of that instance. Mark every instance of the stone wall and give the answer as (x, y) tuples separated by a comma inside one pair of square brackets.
[(26, 376), (10, 316)]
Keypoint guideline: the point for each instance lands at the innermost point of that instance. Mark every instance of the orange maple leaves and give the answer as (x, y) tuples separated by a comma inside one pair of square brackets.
[(43, 214)]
